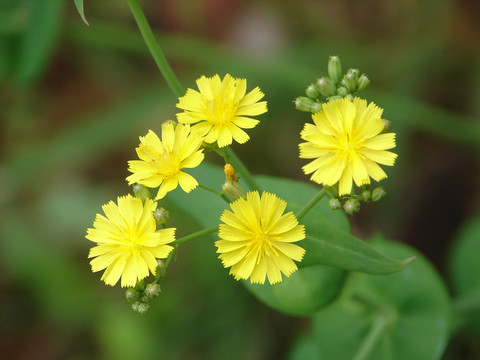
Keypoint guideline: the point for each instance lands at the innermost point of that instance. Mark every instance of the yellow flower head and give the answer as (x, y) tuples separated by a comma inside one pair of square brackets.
[(256, 239), (161, 161), (127, 241), (346, 143), (221, 109)]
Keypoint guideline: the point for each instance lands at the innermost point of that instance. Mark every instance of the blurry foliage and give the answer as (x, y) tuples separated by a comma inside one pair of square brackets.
[(74, 99)]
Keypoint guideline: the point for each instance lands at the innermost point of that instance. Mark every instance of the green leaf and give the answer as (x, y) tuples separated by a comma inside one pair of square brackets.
[(79, 5), (38, 42), (326, 244), (304, 293), (392, 317), (464, 270)]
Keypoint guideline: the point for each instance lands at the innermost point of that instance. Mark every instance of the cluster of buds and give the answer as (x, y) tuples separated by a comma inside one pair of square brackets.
[(351, 204), (332, 87), (141, 295)]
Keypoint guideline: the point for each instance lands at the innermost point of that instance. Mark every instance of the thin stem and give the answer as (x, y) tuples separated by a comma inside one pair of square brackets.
[(155, 49), (221, 194), (197, 234), (380, 323), (242, 169), (313, 201)]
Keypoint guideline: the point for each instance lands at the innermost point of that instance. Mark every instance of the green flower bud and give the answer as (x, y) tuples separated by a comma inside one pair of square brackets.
[(342, 91), (141, 192), (350, 80), (351, 206), (161, 215), (387, 126), (335, 69), (233, 189), (366, 195), (140, 307), (152, 290), (363, 82), (132, 295), (140, 286), (313, 91), (378, 193), (161, 269), (303, 103), (334, 204), (326, 86), (335, 97), (316, 107)]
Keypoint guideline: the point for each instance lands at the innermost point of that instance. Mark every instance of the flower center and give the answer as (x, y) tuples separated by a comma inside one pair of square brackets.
[(221, 110)]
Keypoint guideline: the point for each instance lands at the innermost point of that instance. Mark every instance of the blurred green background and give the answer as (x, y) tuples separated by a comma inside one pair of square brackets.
[(74, 99)]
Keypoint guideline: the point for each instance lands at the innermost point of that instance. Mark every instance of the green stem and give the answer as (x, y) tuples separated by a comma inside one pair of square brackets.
[(195, 235), (155, 49), (380, 323), (241, 169), (313, 201), (221, 194)]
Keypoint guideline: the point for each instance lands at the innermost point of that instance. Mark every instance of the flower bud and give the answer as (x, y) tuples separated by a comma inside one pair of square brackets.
[(387, 125), (303, 103), (161, 215), (140, 307), (152, 290), (313, 91), (230, 174), (378, 193), (233, 189), (141, 192), (366, 195), (140, 286), (326, 86), (351, 206), (350, 79), (161, 269), (342, 91), (132, 295), (334, 204), (363, 82), (335, 69), (335, 97), (316, 107)]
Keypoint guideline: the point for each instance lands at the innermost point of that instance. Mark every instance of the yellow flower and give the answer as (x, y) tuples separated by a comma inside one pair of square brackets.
[(221, 109), (127, 241), (346, 143), (256, 239), (161, 161)]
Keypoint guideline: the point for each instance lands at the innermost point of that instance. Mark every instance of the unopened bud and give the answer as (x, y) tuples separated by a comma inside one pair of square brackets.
[(350, 79), (366, 195), (141, 192), (351, 206), (132, 295), (316, 107), (326, 86), (140, 307), (161, 215), (387, 126), (233, 189), (152, 290), (378, 193), (363, 82), (303, 103), (161, 269), (342, 91), (334, 204), (313, 91), (335, 69), (335, 97)]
